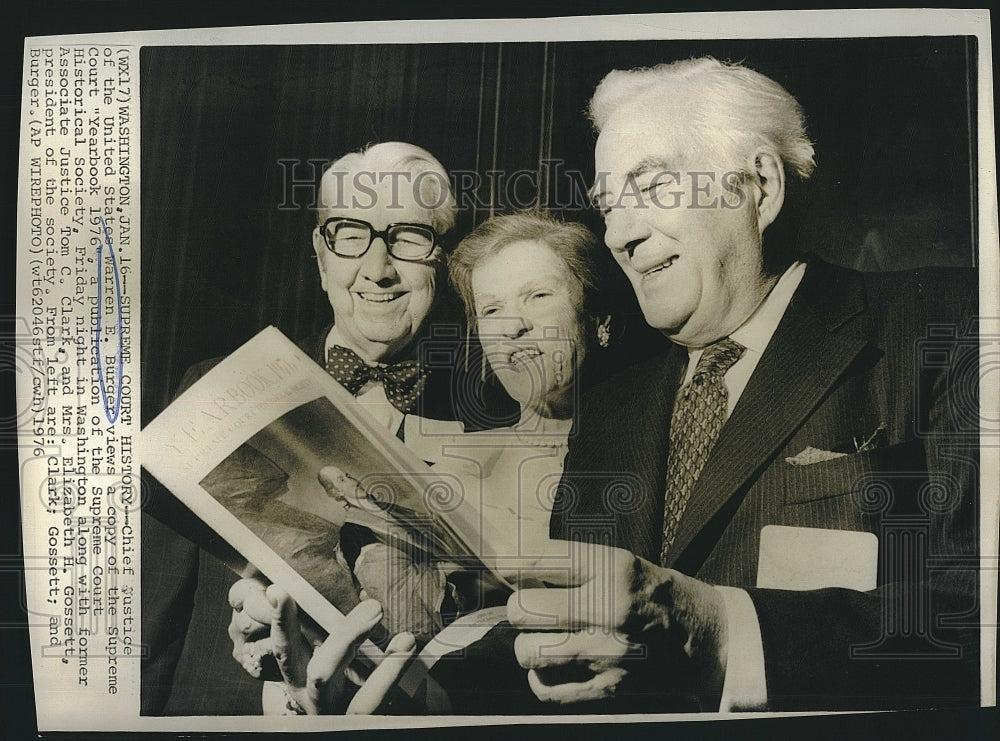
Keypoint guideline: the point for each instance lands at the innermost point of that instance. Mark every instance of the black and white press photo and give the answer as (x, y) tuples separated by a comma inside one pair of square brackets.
[(511, 373)]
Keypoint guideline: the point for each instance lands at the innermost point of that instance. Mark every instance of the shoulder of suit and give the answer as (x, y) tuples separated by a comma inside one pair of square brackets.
[(928, 279), (196, 372), (937, 293), (914, 296), (634, 382), (312, 346), (315, 345)]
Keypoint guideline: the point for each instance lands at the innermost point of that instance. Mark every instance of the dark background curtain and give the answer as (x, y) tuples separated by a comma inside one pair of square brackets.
[(234, 140)]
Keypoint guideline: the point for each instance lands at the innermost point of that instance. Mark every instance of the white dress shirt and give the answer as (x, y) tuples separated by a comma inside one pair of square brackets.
[(754, 334), (745, 685)]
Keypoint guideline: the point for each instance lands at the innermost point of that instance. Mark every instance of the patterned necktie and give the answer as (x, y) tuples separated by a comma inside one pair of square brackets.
[(403, 382), (698, 417)]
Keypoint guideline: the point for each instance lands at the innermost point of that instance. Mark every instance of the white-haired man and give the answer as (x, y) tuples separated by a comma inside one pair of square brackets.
[(382, 218), (802, 495)]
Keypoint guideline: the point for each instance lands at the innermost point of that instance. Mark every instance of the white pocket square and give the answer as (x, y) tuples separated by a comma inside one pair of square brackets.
[(813, 455)]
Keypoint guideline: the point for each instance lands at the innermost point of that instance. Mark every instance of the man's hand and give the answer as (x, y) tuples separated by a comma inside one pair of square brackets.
[(266, 625), (624, 626)]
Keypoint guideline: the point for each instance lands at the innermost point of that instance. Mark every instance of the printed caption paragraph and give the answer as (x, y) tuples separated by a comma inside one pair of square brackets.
[(79, 276)]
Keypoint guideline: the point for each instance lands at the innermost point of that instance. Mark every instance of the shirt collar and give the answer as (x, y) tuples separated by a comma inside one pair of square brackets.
[(336, 337), (756, 332)]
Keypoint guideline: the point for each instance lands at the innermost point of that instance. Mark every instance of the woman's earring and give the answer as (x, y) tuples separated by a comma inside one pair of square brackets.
[(604, 333)]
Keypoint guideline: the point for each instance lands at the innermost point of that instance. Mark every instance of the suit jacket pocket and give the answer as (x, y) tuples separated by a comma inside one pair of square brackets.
[(850, 473)]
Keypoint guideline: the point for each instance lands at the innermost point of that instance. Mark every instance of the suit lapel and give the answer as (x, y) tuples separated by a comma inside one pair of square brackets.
[(809, 351), (643, 449)]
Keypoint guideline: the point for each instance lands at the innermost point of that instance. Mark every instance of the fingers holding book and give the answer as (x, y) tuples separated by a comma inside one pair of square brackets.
[(270, 642), (250, 629)]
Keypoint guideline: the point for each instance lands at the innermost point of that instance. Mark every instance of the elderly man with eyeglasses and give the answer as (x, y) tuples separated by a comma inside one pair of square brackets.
[(382, 216)]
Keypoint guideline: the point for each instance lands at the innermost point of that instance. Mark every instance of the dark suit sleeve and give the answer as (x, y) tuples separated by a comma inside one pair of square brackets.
[(169, 581), (173, 599), (912, 642)]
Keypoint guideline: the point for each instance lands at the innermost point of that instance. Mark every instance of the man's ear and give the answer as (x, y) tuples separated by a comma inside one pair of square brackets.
[(319, 247), (770, 173)]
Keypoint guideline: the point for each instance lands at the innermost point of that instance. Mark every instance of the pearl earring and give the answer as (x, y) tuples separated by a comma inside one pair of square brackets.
[(603, 335)]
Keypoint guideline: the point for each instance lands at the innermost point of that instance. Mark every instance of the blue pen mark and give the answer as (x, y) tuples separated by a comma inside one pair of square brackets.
[(111, 411)]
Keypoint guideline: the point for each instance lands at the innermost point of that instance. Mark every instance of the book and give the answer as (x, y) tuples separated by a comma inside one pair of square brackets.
[(242, 449)]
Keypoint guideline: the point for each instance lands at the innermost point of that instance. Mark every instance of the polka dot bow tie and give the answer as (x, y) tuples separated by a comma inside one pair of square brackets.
[(403, 382)]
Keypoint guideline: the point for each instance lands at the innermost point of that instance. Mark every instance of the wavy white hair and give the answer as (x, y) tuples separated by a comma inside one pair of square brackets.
[(727, 108), (429, 177)]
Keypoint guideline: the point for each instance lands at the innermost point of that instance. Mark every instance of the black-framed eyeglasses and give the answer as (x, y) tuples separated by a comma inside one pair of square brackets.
[(353, 238)]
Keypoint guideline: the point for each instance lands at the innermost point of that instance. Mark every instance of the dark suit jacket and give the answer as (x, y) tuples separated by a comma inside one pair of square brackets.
[(852, 353)]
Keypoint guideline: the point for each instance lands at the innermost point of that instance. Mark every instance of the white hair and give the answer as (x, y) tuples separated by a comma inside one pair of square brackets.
[(727, 108), (429, 180)]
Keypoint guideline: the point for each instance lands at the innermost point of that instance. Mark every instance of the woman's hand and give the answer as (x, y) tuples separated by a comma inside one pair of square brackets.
[(269, 641)]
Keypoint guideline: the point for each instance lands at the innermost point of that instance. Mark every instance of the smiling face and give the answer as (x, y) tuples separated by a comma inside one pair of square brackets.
[(530, 324), (690, 247), (379, 303)]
